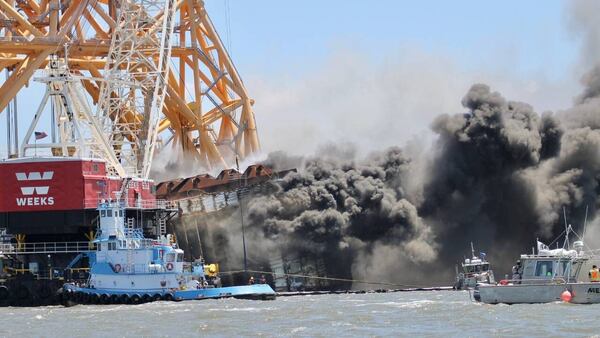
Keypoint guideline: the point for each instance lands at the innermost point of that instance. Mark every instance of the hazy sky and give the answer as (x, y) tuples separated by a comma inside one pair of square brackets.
[(291, 36), (376, 73)]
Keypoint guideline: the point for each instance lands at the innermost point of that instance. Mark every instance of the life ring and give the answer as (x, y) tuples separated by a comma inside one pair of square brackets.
[(117, 268), (169, 266), (504, 282)]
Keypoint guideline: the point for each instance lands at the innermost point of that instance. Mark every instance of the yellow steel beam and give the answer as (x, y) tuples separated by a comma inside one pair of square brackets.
[(24, 70), (109, 21), (20, 76), (12, 12), (95, 25), (34, 6), (216, 113), (205, 62)]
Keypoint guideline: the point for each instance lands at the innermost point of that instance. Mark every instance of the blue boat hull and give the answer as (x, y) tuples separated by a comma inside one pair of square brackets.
[(72, 294), (257, 291)]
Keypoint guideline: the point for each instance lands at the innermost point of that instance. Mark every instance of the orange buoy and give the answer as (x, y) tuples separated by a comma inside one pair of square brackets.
[(504, 282), (566, 296)]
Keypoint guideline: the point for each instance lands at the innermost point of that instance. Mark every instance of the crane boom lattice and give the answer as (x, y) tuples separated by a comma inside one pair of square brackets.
[(134, 91), (156, 74)]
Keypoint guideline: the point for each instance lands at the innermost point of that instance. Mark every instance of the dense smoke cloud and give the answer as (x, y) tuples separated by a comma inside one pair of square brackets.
[(499, 175), (474, 190), (337, 206)]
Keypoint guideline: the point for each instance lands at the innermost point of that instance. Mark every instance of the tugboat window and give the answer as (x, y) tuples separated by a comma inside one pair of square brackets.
[(109, 213), (102, 213), (544, 268)]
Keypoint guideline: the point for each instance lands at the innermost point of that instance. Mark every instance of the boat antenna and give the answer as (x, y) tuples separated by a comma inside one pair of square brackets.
[(584, 223), (472, 250), (566, 229)]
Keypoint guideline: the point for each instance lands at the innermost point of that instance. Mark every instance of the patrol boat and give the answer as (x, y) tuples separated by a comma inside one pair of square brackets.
[(474, 270), (129, 268), (547, 276)]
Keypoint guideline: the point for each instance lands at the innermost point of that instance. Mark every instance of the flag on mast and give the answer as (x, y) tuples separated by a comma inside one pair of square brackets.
[(541, 246), (40, 135)]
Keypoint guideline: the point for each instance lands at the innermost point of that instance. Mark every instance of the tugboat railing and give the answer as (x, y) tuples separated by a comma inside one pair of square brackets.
[(133, 203), (46, 247)]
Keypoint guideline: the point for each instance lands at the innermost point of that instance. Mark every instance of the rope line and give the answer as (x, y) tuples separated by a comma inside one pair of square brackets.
[(322, 278)]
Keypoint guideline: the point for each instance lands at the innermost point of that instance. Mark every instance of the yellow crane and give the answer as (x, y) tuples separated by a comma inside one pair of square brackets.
[(157, 73)]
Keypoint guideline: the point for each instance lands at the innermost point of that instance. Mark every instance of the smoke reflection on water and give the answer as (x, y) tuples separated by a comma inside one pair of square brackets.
[(440, 313)]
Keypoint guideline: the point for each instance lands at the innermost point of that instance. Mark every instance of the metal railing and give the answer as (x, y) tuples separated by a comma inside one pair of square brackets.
[(533, 281), (130, 203), (47, 247), (212, 202)]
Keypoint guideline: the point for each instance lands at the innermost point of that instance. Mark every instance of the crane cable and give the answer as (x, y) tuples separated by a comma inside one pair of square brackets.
[(322, 278)]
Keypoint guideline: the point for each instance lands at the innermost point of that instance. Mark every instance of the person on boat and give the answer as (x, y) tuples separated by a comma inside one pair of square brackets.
[(516, 272), (594, 274), (194, 284), (251, 280), (216, 281), (263, 279)]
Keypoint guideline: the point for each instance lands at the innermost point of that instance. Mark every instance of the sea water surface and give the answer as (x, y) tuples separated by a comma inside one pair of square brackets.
[(437, 313)]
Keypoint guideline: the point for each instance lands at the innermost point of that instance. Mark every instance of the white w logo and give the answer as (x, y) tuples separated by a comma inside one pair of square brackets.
[(38, 190), (35, 176)]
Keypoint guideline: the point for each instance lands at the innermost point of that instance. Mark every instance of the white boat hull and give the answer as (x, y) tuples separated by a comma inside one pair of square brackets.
[(582, 293)]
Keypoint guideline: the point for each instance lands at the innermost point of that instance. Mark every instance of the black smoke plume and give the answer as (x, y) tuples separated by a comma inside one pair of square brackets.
[(499, 175)]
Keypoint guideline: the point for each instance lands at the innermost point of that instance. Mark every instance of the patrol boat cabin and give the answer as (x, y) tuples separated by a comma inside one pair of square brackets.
[(548, 276), (474, 270), (550, 265)]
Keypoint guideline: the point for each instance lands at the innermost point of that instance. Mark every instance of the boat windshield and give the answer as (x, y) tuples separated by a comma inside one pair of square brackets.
[(477, 268), (548, 268), (544, 268)]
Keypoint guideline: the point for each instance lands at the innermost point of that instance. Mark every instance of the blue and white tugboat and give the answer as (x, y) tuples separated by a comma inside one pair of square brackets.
[(131, 269)]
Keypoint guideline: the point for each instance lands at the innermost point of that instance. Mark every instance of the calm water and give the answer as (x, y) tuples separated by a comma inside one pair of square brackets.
[(443, 313)]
